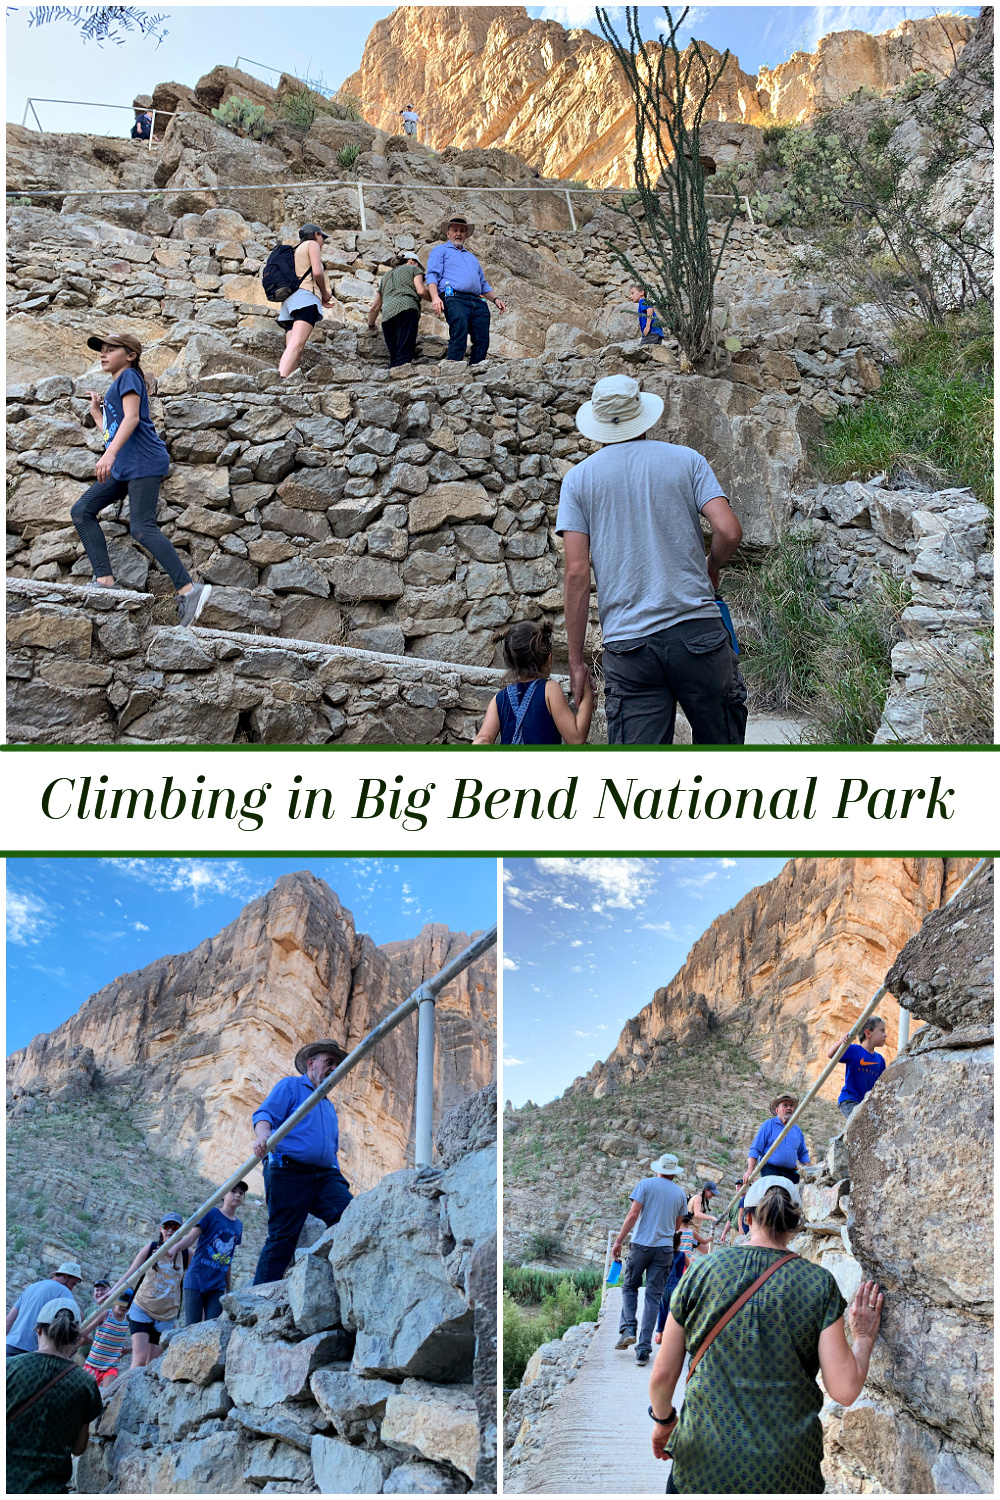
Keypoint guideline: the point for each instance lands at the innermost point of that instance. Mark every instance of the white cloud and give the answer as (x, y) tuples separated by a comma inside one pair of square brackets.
[(197, 879), (140, 926), (510, 963), (29, 918), (696, 883), (665, 928), (582, 1033), (514, 1062), (577, 943), (617, 883), (728, 864), (575, 15)]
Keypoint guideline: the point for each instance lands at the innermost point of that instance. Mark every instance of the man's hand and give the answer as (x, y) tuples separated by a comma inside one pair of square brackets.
[(260, 1148), (104, 466), (580, 681), (616, 1249), (501, 307), (437, 306)]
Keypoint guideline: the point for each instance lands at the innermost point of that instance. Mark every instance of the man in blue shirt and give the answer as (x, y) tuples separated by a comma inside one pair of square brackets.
[(863, 1066), (21, 1320), (457, 287), (301, 1176), (784, 1162)]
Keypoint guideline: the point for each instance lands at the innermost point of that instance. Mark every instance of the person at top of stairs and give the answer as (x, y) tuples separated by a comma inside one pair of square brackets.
[(793, 1149), (862, 1064)]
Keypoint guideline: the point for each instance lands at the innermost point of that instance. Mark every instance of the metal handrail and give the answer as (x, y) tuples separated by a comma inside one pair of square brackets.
[(89, 104), (423, 997), (869, 1009)]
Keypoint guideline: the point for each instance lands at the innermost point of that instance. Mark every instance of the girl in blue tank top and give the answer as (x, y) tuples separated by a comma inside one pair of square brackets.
[(533, 710)]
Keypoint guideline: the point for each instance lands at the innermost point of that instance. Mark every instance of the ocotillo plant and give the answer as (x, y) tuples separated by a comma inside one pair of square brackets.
[(670, 90)]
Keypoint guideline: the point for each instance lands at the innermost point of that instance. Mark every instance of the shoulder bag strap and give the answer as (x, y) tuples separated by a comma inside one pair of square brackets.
[(529, 693), (11, 1415), (740, 1301)]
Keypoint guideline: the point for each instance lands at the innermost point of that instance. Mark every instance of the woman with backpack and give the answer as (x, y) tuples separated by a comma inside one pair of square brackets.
[(307, 296), (51, 1403), (159, 1292), (134, 463), (760, 1324), (398, 300)]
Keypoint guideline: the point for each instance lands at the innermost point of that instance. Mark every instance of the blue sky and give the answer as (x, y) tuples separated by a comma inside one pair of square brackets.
[(73, 925), (586, 943), (328, 41)]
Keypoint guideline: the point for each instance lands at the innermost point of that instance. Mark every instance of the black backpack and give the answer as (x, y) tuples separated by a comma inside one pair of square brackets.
[(278, 276)]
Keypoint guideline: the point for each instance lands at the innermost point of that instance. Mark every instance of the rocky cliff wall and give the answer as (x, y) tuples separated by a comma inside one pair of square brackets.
[(370, 1369), (488, 76), (790, 967), (202, 1037), (924, 1424)]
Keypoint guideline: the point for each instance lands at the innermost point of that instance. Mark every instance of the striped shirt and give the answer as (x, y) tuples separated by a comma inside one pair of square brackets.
[(110, 1341)]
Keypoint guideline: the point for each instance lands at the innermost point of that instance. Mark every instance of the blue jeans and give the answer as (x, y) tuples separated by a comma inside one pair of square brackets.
[(655, 1262), (143, 496), (202, 1307), (294, 1192), (468, 317)]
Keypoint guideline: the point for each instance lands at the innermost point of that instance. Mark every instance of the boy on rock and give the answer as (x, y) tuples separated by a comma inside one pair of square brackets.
[(863, 1065)]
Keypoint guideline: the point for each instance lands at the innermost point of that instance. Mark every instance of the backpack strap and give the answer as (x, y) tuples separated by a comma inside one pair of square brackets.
[(740, 1301), (529, 693), (13, 1415)]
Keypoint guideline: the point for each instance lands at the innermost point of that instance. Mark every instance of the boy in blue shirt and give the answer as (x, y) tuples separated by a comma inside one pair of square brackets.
[(210, 1273), (792, 1151), (862, 1064), (650, 327)]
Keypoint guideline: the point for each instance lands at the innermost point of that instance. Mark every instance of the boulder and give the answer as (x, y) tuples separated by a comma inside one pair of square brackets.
[(469, 1127), (350, 1401), (444, 503), (263, 1373), (439, 1422), (356, 578), (276, 1461), (394, 1285), (312, 1295), (422, 1479), (197, 1352), (341, 1469), (482, 1290), (294, 1422), (54, 628), (134, 1401), (184, 1406), (945, 973), (211, 1465)]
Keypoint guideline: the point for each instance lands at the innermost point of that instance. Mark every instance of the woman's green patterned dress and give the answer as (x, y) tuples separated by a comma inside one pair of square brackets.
[(749, 1422)]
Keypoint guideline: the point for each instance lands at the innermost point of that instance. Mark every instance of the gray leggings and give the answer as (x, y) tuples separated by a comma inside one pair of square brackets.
[(143, 496)]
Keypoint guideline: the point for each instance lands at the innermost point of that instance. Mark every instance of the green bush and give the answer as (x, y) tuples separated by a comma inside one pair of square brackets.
[(528, 1285), (523, 1334), (786, 623), (541, 1246), (351, 105), (853, 669), (348, 155), (245, 118), (933, 416), (299, 109)]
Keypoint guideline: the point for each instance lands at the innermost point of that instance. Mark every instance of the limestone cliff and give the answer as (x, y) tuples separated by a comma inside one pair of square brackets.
[(200, 1038), (924, 1423), (789, 967), (489, 76)]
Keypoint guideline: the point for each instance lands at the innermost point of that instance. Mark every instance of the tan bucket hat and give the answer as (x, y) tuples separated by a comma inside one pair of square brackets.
[(618, 410), (666, 1166), (326, 1045)]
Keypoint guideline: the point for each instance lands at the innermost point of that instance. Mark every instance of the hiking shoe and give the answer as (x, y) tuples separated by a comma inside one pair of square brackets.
[(642, 1356), (625, 1341), (190, 606), (95, 583)]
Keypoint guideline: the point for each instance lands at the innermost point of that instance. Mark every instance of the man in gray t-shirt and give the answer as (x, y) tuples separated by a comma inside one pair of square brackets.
[(634, 509), (22, 1317), (658, 1205)]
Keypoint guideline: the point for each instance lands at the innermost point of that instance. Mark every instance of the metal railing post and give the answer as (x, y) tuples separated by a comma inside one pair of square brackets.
[(746, 204), (427, 991), (24, 122), (424, 1124), (38, 122), (152, 128), (361, 208), (607, 1264), (572, 215), (904, 1029)]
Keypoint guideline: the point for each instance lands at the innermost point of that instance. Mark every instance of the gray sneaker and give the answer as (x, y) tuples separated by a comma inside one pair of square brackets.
[(642, 1356), (625, 1341), (190, 606)]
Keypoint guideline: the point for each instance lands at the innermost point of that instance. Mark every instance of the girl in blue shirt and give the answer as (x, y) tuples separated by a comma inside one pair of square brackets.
[(533, 710), (210, 1273), (134, 463)]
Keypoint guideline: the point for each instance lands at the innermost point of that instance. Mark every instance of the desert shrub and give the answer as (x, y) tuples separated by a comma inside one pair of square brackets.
[(962, 710), (525, 1284), (541, 1246), (348, 155), (244, 118), (523, 1333), (853, 671), (351, 105), (933, 416), (299, 109), (916, 85), (785, 625)]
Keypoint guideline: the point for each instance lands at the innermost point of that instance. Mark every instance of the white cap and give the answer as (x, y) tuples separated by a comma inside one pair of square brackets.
[(760, 1187), (50, 1309)]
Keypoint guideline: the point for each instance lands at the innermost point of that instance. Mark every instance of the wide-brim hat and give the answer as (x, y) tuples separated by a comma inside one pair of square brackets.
[(666, 1166), (760, 1187), (327, 1045), (70, 1268), (117, 340), (455, 219), (618, 410), (783, 1099)]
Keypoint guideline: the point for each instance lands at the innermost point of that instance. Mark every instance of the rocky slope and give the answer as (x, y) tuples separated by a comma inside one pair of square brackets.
[(488, 76), (787, 969), (370, 1369), (924, 1423), (200, 1038)]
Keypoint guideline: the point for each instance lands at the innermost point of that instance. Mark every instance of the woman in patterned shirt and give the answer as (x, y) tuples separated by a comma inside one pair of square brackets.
[(749, 1423)]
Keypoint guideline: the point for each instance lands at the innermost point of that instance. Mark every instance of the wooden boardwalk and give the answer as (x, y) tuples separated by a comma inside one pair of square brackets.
[(599, 1439)]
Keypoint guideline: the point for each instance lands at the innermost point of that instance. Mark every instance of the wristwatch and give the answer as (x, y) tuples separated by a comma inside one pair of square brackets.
[(663, 1421)]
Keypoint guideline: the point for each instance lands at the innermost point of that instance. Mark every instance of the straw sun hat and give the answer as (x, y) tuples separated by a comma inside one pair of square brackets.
[(618, 410)]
